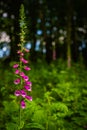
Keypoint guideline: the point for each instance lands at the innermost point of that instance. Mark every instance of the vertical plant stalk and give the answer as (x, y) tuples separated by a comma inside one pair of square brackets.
[(24, 85), (19, 127), (22, 40)]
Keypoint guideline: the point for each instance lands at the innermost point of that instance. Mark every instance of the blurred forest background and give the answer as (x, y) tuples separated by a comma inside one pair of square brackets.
[(56, 36), (56, 29)]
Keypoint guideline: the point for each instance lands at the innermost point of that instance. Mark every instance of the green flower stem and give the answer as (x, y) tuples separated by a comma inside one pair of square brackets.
[(19, 126)]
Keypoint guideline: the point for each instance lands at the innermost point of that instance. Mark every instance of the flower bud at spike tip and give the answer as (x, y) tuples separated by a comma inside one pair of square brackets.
[(18, 52), (26, 50), (23, 60)]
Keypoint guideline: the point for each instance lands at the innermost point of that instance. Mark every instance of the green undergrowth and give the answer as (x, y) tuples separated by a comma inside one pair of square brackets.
[(59, 98)]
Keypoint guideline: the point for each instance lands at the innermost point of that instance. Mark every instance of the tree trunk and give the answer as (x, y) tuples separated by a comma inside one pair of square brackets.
[(68, 40)]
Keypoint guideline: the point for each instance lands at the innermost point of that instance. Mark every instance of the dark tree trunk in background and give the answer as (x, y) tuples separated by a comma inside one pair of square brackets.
[(68, 40), (74, 46), (49, 51)]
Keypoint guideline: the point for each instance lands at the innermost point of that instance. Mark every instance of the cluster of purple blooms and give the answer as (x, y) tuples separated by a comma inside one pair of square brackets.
[(22, 79)]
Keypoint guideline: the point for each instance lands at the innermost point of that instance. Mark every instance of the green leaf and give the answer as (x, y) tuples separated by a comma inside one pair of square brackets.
[(11, 126), (35, 125)]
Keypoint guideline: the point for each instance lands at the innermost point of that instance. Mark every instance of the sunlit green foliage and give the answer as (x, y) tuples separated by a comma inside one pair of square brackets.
[(59, 98)]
